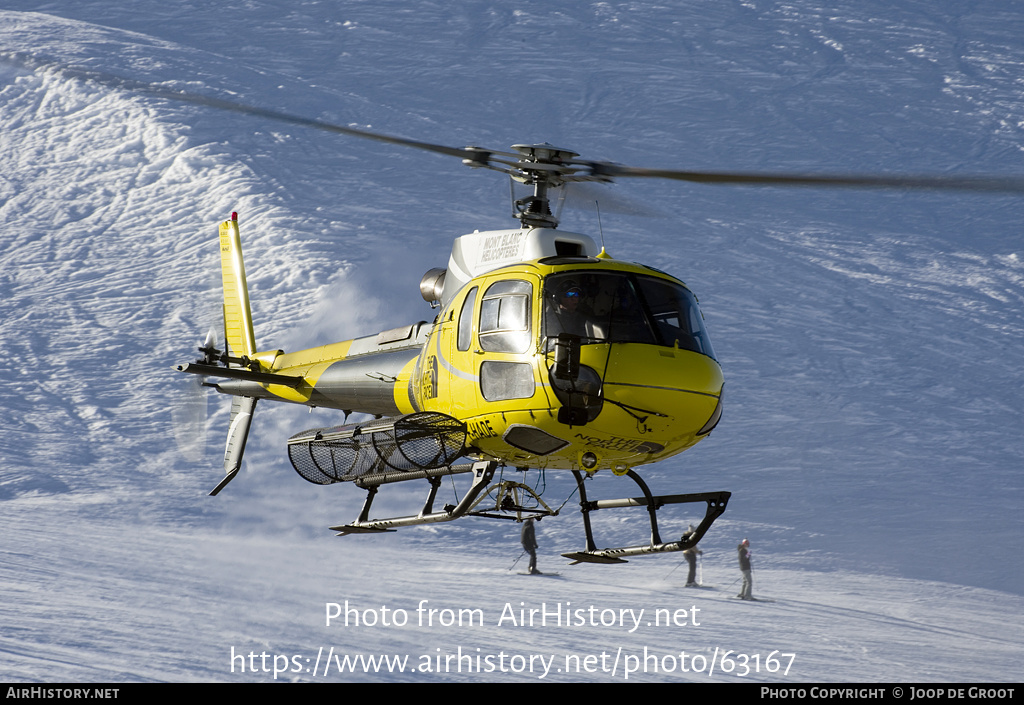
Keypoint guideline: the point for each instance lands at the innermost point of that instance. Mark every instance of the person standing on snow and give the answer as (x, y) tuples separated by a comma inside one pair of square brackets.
[(690, 555), (748, 582), (529, 540)]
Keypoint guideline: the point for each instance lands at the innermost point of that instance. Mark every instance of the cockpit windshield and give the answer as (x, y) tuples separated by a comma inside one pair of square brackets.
[(621, 307)]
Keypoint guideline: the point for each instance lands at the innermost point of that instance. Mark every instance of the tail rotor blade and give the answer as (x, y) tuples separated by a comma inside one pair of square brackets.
[(188, 420)]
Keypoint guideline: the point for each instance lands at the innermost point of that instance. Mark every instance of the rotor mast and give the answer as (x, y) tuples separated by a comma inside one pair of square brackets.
[(542, 166)]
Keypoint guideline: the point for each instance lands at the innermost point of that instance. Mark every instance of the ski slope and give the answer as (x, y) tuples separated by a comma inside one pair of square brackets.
[(871, 341)]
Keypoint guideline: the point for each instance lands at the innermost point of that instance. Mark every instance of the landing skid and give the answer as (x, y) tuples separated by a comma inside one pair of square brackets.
[(482, 474), (716, 503)]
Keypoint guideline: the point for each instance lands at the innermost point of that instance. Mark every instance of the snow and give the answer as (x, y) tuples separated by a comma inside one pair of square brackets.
[(871, 341)]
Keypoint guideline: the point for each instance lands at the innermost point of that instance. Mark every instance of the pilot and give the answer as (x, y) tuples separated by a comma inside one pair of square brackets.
[(568, 317)]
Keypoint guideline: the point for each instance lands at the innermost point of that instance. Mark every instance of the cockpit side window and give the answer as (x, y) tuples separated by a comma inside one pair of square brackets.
[(466, 321), (505, 320), (677, 319)]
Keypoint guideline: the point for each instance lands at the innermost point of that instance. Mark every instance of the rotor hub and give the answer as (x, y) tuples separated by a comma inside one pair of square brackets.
[(542, 166)]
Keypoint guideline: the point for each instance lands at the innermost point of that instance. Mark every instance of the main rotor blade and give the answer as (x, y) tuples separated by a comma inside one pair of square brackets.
[(473, 154), (996, 184), (569, 168), (460, 152)]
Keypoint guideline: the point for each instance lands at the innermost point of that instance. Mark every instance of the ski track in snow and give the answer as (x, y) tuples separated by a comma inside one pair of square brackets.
[(190, 597), (871, 341)]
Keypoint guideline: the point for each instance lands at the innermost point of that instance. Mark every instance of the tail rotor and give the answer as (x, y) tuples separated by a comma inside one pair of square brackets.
[(189, 413)]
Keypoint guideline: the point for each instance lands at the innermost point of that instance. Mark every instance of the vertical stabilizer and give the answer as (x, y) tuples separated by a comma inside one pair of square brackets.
[(241, 342), (238, 331)]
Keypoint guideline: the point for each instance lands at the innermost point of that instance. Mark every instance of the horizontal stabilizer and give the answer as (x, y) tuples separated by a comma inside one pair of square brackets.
[(196, 368)]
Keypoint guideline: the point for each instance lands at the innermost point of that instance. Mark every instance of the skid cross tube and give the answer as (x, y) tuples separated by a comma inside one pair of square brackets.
[(482, 474), (510, 498), (716, 504)]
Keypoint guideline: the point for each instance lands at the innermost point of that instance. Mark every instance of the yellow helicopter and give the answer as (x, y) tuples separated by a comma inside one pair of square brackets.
[(545, 353)]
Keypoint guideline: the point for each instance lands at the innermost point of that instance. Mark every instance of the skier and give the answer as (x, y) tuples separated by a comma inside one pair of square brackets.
[(529, 540), (748, 582), (690, 555)]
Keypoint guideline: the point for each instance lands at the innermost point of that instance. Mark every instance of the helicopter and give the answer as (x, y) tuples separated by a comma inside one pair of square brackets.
[(545, 353)]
